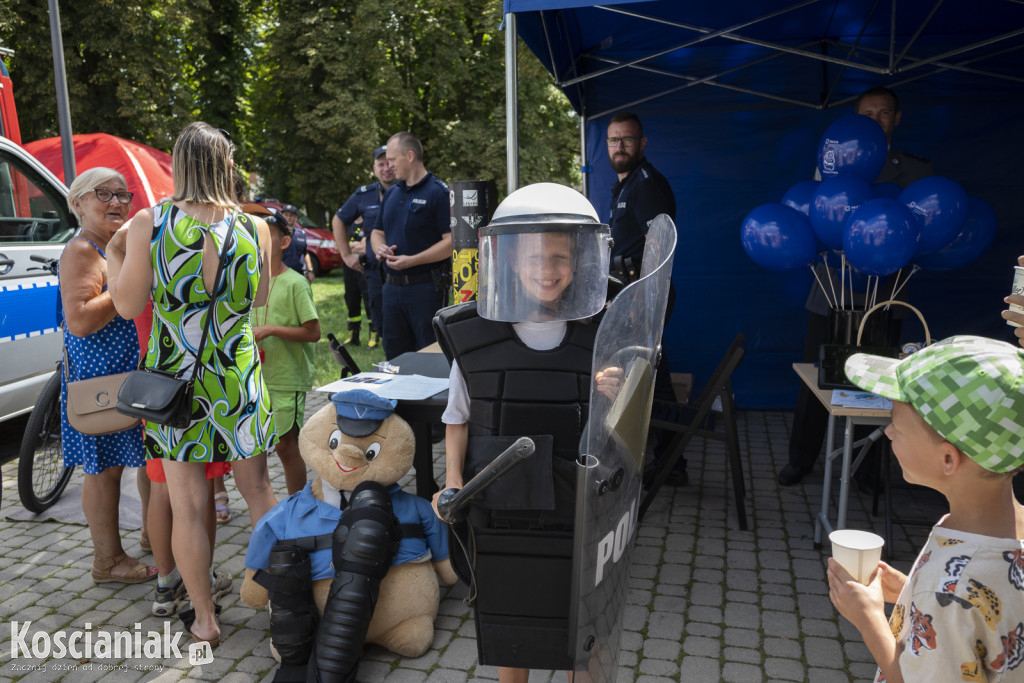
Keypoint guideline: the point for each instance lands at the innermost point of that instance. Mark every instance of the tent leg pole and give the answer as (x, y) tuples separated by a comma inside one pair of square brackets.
[(584, 166), (511, 102), (61, 80)]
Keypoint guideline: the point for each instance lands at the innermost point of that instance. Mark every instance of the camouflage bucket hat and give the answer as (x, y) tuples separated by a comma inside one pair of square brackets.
[(969, 389)]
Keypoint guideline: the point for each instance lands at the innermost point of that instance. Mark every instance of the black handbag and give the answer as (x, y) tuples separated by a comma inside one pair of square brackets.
[(166, 397)]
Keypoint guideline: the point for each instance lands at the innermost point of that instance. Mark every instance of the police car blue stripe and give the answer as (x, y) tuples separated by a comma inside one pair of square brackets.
[(27, 310)]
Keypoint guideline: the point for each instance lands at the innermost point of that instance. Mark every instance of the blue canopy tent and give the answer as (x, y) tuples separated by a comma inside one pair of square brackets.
[(734, 97)]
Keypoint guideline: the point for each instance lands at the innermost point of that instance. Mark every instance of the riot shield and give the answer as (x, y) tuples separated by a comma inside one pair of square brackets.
[(609, 483)]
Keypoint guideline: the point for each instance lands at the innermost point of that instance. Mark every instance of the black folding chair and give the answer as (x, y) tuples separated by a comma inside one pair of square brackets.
[(344, 358), (695, 419)]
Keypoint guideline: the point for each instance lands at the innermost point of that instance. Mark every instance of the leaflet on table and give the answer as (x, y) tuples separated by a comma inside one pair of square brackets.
[(386, 385), (859, 399)]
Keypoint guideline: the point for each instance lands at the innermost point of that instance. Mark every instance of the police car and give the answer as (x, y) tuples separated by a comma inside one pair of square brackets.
[(34, 220)]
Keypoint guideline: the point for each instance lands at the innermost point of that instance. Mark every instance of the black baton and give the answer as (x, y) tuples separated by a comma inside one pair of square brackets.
[(452, 501)]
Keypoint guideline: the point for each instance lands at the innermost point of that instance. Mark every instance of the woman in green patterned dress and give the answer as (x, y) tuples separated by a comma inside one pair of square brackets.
[(172, 251)]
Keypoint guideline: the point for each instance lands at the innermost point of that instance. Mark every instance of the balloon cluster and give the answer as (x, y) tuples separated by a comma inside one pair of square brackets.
[(879, 227)]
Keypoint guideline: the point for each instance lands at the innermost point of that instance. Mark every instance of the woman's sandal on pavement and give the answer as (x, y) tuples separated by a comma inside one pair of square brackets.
[(221, 507), (188, 617), (138, 573)]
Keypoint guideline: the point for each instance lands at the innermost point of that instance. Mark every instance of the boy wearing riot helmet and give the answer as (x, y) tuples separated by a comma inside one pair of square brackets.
[(521, 365)]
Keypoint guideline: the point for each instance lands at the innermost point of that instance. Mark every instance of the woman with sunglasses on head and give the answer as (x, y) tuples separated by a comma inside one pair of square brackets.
[(99, 342), (173, 251)]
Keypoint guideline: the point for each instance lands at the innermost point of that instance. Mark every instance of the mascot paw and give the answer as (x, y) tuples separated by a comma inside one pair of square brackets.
[(251, 593), (445, 572), (411, 638)]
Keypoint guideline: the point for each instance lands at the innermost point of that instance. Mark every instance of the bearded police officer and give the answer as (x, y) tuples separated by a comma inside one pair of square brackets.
[(640, 194)]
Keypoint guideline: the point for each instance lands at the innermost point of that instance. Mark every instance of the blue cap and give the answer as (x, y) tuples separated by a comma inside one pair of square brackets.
[(380, 150), (360, 412)]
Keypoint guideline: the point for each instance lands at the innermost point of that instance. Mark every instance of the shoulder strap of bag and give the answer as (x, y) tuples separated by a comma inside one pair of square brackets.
[(212, 313)]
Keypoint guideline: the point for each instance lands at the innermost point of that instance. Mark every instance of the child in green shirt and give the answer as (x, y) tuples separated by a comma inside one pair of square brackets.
[(285, 330)]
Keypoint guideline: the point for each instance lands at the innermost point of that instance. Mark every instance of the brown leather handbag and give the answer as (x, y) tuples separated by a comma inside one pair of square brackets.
[(92, 403)]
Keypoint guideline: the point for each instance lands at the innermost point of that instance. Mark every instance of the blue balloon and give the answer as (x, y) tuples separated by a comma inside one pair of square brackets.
[(881, 237), (940, 207), (886, 190), (777, 237), (975, 237), (853, 145), (831, 206), (799, 196)]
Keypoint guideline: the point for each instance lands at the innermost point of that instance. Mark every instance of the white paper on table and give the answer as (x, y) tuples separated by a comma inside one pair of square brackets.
[(859, 399), (385, 385)]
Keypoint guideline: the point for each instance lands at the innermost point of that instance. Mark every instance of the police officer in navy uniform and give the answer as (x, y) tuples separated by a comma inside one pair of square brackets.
[(640, 194), (365, 203), (412, 238), (811, 419)]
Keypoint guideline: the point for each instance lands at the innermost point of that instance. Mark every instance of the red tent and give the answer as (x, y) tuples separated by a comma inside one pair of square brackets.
[(147, 170)]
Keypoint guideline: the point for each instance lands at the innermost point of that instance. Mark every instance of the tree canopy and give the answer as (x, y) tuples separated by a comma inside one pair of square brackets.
[(307, 88)]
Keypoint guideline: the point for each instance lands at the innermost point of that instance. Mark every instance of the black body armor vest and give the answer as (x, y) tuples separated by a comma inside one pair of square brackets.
[(515, 390), (516, 546)]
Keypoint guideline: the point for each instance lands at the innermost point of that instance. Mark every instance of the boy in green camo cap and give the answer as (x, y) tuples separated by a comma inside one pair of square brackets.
[(957, 427)]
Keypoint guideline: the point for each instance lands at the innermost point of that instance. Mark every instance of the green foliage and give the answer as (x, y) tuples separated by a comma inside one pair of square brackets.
[(329, 297), (308, 88)]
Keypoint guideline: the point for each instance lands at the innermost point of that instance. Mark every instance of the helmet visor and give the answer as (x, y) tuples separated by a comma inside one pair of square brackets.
[(532, 272)]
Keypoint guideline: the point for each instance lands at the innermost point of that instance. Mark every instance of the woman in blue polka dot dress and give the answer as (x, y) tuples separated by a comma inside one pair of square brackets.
[(99, 342)]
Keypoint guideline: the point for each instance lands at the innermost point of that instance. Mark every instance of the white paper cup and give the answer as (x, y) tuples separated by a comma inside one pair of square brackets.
[(1018, 288), (858, 551)]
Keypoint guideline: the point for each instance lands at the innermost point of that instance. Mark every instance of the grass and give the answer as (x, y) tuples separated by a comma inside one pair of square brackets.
[(329, 297)]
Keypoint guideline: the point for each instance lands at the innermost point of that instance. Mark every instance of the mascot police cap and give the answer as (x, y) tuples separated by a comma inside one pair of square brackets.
[(360, 412)]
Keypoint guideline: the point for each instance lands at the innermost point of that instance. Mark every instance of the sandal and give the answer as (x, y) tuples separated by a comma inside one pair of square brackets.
[(221, 507), (139, 573), (188, 617)]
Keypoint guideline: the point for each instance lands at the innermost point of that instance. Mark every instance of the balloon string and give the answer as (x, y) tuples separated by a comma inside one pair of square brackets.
[(831, 281), (842, 281), (814, 271), (853, 301), (896, 286), (906, 280)]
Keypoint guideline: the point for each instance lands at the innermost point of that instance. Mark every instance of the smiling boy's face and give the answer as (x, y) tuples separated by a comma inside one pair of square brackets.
[(544, 264)]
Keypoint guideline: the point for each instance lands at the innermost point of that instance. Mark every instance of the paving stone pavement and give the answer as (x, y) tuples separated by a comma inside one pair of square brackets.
[(706, 601)]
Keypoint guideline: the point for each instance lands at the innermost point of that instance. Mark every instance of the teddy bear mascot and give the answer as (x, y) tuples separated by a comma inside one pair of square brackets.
[(350, 559)]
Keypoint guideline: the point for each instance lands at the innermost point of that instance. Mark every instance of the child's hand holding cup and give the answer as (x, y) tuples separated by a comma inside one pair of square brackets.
[(859, 552), (1015, 315)]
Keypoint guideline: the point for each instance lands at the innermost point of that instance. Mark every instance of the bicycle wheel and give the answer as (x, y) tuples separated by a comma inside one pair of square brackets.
[(42, 476)]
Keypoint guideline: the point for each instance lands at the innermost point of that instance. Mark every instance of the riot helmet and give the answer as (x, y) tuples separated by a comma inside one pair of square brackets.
[(544, 256)]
